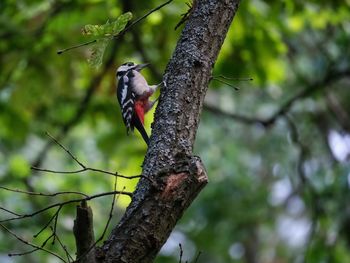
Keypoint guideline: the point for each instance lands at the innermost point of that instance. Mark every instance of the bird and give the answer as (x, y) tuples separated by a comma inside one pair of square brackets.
[(133, 93)]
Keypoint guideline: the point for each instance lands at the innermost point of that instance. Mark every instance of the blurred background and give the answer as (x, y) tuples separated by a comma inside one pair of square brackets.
[(277, 151)]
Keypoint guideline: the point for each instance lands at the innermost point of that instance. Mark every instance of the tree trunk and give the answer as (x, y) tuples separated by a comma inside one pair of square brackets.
[(174, 175)]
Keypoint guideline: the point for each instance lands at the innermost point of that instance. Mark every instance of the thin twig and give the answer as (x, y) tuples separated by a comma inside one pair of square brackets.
[(85, 170), (79, 113), (303, 153), (47, 240), (55, 224), (145, 15), (9, 211), (42, 194), (110, 212), (286, 107), (59, 52), (48, 223), (229, 78), (120, 33), (181, 253), (197, 257), (222, 78), (69, 257), (225, 82), (186, 15), (305, 184), (65, 203), (23, 253), (84, 167), (66, 150), (36, 248)]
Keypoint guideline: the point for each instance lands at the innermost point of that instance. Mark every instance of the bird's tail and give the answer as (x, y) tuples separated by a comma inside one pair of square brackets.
[(138, 125)]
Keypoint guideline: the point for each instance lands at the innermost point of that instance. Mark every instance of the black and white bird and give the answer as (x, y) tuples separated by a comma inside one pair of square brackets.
[(133, 94)]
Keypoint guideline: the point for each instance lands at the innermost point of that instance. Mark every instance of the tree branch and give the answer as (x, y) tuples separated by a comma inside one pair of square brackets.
[(35, 247), (180, 176), (310, 89)]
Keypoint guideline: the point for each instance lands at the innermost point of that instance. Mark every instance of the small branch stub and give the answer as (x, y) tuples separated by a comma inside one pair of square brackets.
[(84, 234)]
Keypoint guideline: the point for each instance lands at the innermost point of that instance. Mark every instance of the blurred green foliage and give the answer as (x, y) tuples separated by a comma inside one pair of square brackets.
[(278, 192)]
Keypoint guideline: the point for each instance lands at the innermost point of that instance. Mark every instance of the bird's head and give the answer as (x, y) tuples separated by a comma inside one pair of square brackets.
[(127, 66)]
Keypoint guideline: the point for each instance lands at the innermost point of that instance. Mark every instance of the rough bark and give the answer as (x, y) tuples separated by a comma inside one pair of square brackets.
[(84, 234), (176, 176)]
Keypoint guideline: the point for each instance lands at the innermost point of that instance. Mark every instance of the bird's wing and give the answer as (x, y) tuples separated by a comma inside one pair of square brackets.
[(126, 98)]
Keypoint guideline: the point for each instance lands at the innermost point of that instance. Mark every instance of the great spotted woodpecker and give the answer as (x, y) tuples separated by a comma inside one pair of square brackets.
[(133, 94)]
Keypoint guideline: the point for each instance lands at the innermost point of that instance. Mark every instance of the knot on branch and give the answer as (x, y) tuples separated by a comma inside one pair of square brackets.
[(186, 174)]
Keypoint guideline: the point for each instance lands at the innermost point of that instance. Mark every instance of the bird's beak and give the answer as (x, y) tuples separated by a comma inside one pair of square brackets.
[(141, 66)]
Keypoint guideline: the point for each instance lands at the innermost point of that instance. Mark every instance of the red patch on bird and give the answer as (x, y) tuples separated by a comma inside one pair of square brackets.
[(139, 108)]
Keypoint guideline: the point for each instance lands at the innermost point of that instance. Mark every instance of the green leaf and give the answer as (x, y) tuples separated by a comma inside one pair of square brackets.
[(108, 29), (97, 51), (106, 32), (118, 25), (94, 30)]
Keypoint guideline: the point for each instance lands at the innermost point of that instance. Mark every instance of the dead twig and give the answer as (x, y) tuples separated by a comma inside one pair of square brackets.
[(61, 204), (42, 194), (107, 224), (222, 79), (84, 168), (35, 247)]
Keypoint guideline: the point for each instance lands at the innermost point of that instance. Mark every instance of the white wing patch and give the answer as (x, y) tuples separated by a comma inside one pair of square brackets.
[(127, 102), (125, 89), (127, 114), (126, 93)]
